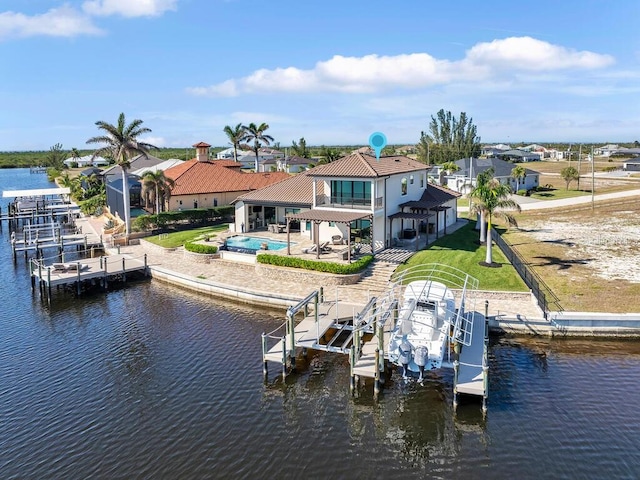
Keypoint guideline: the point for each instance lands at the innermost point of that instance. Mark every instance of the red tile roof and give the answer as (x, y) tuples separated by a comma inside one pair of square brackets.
[(201, 144), (193, 177), (297, 190), (367, 166)]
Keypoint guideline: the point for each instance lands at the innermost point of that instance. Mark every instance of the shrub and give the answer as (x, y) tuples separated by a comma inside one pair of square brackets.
[(200, 248), (327, 267), (200, 216), (610, 169), (522, 192)]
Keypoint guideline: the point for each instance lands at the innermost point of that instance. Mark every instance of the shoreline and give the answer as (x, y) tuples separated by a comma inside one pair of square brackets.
[(508, 312)]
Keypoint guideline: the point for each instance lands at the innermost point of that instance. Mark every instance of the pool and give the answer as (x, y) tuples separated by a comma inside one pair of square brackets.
[(244, 244)]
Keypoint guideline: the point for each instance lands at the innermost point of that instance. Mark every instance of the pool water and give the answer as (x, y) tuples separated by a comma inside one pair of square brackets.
[(242, 242)]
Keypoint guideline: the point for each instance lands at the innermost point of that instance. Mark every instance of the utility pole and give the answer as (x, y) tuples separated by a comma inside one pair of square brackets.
[(579, 157), (593, 183)]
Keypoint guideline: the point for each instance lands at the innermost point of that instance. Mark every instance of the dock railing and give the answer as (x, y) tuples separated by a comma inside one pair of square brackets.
[(284, 335)]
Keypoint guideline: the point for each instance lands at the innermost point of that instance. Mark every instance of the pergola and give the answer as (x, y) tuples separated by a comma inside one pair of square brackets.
[(421, 210), (318, 216), (410, 216)]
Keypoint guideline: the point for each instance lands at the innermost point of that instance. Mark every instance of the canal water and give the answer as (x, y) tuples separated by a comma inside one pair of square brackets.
[(148, 381)]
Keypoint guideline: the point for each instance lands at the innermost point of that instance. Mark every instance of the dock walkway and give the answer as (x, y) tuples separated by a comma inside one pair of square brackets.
[(472, 372), (103, 268)]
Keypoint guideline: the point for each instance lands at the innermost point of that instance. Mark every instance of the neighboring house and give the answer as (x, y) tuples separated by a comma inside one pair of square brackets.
[(464, 180), (632, 165), (517, 155), (113, 183), (202, 183), (625, 152), (493, 150), (606, 150), (356, 197), (293, 164), (172, 162), (247, 158), (86, 161), (227, 154)]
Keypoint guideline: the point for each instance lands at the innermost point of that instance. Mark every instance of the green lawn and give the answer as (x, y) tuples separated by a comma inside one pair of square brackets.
[(462, 250), (463, 201), (177, 239), (558, 193)]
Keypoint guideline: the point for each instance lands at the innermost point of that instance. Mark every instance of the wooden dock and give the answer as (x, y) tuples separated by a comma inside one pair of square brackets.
[(311, 331), (360, 331), (103, 269)]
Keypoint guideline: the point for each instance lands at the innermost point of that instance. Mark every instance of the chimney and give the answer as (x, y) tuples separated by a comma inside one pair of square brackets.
[(202, 151)]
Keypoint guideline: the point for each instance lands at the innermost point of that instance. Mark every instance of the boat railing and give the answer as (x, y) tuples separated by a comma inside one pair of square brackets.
[(450, 276)]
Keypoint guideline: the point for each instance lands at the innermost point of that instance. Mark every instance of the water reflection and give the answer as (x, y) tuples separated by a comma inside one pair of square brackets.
[(414, 423)]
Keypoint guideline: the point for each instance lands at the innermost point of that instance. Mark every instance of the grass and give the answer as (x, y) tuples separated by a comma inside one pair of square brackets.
[(557, 193), (554, 167), (462, 250), (177, 239), (463, 201)]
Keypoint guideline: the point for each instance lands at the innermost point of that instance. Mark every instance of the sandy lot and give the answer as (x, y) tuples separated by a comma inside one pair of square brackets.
[(610, 249)]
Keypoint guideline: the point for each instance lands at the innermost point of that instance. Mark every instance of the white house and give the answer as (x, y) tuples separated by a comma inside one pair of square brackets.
[(86, 161), (247, 158), (357, 198), (464, 179), (293, 164)]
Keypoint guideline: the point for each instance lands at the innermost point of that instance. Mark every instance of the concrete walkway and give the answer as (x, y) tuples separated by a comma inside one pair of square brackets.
[(528, 203)]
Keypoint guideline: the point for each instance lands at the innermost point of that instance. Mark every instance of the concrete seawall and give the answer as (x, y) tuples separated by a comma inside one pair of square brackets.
[(223, 291), (266, 286)]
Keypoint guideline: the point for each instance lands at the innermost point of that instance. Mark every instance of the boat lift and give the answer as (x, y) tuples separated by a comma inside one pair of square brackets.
[(363, 333)]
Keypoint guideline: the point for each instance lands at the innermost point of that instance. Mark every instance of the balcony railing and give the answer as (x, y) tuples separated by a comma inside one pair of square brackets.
[(343, 202)]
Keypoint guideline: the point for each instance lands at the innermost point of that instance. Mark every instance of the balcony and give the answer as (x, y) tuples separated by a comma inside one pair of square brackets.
[(352, 203)]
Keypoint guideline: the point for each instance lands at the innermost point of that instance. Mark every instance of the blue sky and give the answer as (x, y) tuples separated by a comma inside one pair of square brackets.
[(332, 72)]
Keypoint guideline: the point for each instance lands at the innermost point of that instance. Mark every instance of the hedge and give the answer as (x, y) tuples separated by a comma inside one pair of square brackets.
[(194, 216), (200, 248), (328, 267)]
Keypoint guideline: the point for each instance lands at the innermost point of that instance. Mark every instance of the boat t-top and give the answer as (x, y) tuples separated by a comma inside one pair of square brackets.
[(429, 322)]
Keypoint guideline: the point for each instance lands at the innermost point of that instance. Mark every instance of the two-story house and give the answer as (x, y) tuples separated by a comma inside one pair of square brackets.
[(357, 198)]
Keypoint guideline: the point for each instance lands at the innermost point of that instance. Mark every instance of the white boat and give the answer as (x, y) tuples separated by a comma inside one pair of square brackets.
[(429, 323)]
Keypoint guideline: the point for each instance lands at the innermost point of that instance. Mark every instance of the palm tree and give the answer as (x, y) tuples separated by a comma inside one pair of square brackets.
[(494, 197), (254, 133), (476, 206), (75, 155), (329, 154), (235, 136), (158, 185), (450, 167), (120, 142), (518, 173)]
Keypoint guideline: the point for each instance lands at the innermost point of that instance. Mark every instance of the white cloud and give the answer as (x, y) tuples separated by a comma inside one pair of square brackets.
[(374, 73), (526, 53), (64, 21), (129, 8), (156, 141)]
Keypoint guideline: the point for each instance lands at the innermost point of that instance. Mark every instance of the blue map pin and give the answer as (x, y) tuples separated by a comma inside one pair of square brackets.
[(377, 141)]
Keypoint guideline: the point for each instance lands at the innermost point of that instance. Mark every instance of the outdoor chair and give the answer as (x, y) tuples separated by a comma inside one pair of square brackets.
[(336, 239), (310, 249), (324, 247)]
